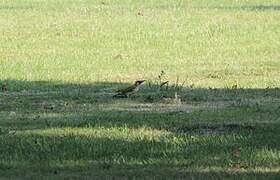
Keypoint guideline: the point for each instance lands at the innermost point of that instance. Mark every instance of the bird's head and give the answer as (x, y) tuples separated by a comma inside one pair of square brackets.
[(137, 83)]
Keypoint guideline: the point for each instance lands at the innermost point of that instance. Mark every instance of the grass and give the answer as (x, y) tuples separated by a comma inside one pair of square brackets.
[(63, 60)]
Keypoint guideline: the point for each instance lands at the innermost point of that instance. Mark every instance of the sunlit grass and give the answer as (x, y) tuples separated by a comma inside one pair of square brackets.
[(204, 44)]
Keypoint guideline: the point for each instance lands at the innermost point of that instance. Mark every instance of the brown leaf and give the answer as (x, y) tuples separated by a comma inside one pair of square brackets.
[(119, 56), (236, 153), (46, 106)]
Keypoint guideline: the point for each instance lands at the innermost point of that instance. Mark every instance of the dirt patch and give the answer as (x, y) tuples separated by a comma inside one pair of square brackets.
[(163, 107), (148, 107)]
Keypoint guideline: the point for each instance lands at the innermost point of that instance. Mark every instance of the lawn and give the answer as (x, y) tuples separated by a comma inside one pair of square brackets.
[(218, 117)]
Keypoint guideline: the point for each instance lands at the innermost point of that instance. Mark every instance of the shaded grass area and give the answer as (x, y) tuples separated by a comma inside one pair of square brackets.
[(68, 130)]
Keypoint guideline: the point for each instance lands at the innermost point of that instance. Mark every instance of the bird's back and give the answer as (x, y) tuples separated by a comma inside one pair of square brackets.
[(126, 90)]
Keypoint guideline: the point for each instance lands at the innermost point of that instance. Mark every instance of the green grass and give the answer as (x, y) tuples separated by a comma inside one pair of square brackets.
[(62, 61)]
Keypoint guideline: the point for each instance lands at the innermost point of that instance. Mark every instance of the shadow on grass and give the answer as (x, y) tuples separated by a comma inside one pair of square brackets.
[(39, 105), (134, 147), (104, 91), (56, 104), (103, 171), (140, 157), (198, 125)]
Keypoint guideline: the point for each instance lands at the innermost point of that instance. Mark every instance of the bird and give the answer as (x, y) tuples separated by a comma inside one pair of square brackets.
[(4, 88), (130, 90)]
